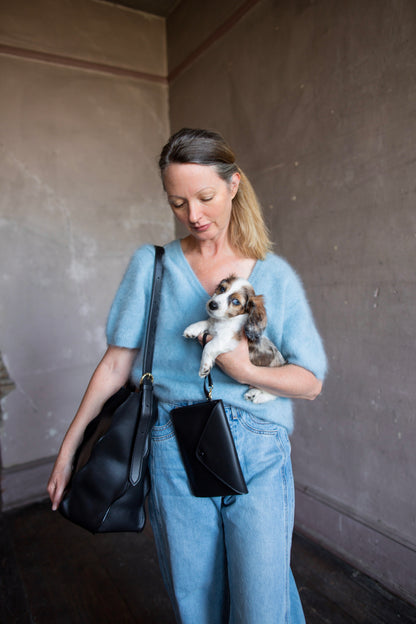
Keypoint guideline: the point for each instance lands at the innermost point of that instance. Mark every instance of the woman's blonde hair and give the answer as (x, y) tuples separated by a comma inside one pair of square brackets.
[(248, 232)]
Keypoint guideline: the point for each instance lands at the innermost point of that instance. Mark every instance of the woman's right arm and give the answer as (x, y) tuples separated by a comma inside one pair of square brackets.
[(111, 374)]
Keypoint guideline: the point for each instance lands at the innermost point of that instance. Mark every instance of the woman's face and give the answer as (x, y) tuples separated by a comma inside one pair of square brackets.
[(200, 199)]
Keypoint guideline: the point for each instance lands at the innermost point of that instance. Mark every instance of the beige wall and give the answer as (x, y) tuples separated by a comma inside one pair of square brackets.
[(89, 30), (79, 192), (317, 100), (193, 23)]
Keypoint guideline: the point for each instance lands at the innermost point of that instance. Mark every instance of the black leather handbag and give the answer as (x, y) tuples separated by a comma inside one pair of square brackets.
[(110, 478), (207, 448)]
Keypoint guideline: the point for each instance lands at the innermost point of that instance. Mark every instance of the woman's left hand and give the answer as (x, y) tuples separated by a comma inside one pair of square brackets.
[(290, 381), (235, 363)]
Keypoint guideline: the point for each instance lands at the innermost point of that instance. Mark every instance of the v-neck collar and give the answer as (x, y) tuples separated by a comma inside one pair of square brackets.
[(192, 275)]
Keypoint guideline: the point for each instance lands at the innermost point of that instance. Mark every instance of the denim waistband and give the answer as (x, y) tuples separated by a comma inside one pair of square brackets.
[(233, 413)]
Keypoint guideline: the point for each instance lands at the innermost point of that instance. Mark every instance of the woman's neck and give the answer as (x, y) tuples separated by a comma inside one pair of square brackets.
[(208, 249), (212, 261)]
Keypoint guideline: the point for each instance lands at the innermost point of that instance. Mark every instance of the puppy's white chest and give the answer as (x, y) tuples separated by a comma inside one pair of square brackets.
[(227, 330)]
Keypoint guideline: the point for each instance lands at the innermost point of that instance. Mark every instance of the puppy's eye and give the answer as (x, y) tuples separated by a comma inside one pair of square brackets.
[(221, 289), (235, 301)]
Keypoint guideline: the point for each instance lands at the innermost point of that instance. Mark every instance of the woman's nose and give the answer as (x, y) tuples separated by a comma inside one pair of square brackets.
[(194, 212)]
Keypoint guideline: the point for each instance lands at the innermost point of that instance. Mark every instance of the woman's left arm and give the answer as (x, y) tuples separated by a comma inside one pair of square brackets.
[(290, 381)]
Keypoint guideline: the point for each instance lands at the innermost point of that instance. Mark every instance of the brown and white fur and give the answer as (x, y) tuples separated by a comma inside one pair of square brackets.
[(234, 308)]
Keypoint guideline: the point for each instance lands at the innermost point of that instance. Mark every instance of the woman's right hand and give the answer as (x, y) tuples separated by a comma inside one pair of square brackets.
[(111, 373), (58, 481)]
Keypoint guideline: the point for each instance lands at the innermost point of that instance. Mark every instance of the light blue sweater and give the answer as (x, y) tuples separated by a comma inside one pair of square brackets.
[(183, 299)]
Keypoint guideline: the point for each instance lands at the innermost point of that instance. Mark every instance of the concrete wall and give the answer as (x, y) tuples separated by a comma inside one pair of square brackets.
[(83, 113), (318, 100)]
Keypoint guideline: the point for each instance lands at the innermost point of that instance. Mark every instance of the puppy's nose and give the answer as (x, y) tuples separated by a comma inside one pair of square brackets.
[(213, 305)]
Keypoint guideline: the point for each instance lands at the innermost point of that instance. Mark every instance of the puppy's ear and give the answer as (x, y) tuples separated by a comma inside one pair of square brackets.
[(224, 284), (257, 318)]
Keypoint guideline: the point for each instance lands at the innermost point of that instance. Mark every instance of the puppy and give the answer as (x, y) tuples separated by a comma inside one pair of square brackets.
[(233, 309)]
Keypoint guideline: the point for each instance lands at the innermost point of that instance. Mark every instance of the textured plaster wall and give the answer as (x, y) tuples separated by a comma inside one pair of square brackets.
[(79, 192), (191, 23), (87, 30), (318, 100)]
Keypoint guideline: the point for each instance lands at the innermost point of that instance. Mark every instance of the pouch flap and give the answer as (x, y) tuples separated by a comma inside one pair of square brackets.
[(216, 450)]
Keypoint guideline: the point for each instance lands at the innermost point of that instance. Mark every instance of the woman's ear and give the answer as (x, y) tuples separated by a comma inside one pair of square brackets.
[(235, 183), (257, 318)]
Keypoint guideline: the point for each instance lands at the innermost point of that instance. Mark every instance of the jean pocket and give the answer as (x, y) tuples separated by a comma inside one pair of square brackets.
[(258, 425), (163, 427), (163, 432)]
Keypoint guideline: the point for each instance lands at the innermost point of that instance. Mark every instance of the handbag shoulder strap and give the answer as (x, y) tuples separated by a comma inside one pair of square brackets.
[(149, 344), (145, 422)]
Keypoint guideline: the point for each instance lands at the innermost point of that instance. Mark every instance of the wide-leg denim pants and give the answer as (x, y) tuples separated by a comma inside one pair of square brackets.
[(226, 560)]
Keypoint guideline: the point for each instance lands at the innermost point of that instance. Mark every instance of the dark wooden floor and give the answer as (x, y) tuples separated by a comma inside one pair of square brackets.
[(55, 573)]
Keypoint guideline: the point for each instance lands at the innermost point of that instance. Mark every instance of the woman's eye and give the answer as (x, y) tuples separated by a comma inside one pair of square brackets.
[(206, 199), (176, 206)]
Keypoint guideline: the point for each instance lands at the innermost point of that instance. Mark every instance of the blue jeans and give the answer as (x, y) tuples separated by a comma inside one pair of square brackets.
[(226, 560)]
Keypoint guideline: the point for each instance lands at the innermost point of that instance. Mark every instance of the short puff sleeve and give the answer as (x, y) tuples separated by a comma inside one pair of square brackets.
[(302, 344), (127, 318)]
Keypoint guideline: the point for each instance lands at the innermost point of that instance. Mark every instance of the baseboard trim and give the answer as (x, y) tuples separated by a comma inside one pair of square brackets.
[(374, 549), (346, 510), (24, 484)]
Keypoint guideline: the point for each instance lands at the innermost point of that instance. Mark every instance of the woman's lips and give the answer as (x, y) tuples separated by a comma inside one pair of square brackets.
[(201, 228)]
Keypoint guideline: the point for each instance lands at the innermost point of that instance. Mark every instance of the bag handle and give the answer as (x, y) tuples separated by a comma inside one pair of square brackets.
[(208, 385), (141, 442), (149, 343)]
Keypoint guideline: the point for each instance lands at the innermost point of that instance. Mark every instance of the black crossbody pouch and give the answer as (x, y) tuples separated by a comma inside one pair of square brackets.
[(207, 448)]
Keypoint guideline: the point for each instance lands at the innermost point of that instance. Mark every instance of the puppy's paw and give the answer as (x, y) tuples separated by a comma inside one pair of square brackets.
[(195, 329), (258, 396), (251, 394), (192, 331), (205, 368)]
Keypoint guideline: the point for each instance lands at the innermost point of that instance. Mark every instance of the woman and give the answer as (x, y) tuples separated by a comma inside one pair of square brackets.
[(222, 559)]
